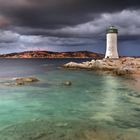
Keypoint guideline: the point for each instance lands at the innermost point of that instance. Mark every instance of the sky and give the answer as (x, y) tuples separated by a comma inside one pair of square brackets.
[(68, 25)]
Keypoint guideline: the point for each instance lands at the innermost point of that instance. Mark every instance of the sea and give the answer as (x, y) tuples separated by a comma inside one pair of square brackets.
[(94, 107)]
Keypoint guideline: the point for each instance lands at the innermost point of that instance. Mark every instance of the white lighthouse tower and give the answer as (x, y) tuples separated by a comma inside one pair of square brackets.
[(111, 43)]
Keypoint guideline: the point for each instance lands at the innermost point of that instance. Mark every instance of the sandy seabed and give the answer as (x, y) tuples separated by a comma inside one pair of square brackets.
[(70, 130)]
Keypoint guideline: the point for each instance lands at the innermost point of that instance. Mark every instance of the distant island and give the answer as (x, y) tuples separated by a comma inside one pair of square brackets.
[(48, 54)]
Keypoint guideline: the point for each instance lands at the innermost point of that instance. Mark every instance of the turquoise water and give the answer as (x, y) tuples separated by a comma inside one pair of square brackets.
[(94, 107)]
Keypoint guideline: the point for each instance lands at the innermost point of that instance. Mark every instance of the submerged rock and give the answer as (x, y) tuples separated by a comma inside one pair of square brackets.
[(20, 81), (23, 80), (67, 83)]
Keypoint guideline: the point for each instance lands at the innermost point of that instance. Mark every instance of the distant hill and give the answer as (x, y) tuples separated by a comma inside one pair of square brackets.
[(47, 54)]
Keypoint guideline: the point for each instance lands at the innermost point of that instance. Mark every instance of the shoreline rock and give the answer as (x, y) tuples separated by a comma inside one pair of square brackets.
[(121, 66)]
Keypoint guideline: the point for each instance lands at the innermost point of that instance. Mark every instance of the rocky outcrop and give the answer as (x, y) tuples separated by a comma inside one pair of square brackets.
[(122, 66)]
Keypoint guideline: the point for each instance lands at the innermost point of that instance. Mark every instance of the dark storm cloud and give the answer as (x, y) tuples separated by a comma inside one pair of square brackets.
[(59, 13), (127, 21)]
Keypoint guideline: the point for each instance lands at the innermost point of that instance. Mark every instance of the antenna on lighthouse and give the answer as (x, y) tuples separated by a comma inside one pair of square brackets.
[(111, 43)]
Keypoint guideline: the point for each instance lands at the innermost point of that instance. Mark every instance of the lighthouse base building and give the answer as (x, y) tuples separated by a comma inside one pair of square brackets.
[(111, 43)]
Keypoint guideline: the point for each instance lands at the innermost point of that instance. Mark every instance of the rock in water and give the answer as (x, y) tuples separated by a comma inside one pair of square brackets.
[(19, 83), (67, 83), (24, 80)]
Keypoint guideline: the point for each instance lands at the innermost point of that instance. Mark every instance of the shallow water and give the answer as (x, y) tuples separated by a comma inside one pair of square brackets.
[(100, 107)]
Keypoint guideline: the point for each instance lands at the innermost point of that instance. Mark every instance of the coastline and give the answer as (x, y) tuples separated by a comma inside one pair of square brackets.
[(122, 66), (128, 67)]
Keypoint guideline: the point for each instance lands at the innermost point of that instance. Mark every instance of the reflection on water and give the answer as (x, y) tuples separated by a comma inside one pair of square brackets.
[(94, 107)]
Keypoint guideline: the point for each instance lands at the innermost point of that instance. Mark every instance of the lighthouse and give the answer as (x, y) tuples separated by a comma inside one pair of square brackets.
[(111, 43)]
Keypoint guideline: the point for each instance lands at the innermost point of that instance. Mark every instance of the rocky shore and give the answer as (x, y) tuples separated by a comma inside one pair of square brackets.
[(121, 66)]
